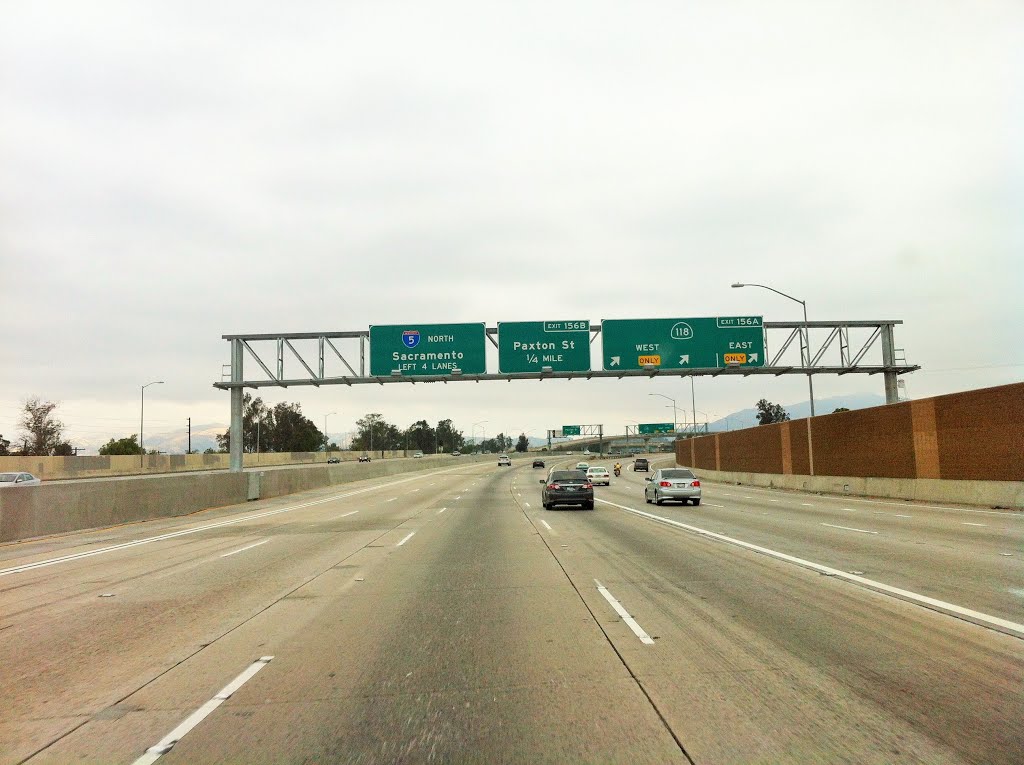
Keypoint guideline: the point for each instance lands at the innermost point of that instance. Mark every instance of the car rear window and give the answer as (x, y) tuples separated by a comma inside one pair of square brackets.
[(677, 474), (641, 461), (569, 475)]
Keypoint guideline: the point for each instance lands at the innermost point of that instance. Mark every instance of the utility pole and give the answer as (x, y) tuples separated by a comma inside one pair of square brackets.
[(189, 436)]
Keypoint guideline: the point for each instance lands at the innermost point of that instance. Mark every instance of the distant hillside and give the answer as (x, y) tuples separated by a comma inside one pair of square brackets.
[(747, 418)]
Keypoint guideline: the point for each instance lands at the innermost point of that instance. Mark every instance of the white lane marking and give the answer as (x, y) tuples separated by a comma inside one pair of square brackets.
[(343, 515), (903, 516), (546, 525), (849, 510), (414, 491), (441, 510), (967, 523), (629, 620), (848, 528), (392, 499), (407, 538), (243, 549), (183, 532), (711, 505), (950, 609), (773, 500), (806, 504), (459, 497), (164, 745), (748, 498), (527, 504)]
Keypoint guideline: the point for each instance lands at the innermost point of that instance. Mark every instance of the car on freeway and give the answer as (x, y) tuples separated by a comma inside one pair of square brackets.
[(599, 475), (672, 483), (333, 460), (538, 463), (503, 459), (640, 465), (364, 457), (8, 480), (567, 487), (456, 453), (582, 466), (418, 456)]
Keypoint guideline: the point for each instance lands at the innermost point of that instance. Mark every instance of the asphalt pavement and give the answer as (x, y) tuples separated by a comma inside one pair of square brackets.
[(445, 616)]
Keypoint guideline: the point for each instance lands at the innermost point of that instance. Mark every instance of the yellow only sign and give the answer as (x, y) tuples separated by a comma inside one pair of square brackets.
[(735, 358), (655, 360)]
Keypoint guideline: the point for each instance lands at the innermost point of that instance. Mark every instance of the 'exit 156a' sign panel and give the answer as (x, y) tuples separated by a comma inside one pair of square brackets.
[(705, 342), (427, 349)]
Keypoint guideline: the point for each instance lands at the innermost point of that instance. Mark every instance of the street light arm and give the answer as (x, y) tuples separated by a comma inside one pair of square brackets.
[(772, 289)]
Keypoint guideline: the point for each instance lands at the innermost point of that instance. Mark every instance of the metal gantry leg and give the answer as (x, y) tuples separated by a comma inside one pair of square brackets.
[(892, 394), (236, 440)]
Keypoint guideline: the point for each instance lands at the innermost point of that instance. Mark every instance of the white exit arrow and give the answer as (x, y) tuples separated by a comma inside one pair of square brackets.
[(684, 359), (753, 358), (615, 361)]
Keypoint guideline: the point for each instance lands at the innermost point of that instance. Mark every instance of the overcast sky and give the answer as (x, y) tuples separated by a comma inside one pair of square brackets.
[(172, 172)]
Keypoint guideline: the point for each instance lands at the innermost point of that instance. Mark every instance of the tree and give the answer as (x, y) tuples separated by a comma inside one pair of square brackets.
[(420, 437), (523, 444), (841, 409), (4, 447), (42, 433), (281, 429), (210, 450), (767, 412), (449, 439), (128, 445)]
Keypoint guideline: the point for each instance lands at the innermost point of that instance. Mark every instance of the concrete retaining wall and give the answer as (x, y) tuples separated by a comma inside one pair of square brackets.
[(55, 508), (990, 493)]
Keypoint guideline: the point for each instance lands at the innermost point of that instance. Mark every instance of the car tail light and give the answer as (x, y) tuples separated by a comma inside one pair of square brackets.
[(696, 483), (665, 483), (588, 485), (554, 486)]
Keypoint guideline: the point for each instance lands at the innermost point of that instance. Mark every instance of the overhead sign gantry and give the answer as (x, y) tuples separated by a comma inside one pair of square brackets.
[(557, 349)]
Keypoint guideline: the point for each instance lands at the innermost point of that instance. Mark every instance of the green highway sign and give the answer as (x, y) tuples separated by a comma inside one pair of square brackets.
[(427, 349), (708, 342), (570, 430), (656, 427), (529, 346)]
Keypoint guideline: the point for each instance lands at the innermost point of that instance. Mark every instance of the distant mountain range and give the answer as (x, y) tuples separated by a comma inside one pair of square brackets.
[(747, 418)]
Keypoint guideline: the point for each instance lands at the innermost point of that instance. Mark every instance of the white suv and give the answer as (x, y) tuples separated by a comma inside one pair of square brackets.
[(503, 459)]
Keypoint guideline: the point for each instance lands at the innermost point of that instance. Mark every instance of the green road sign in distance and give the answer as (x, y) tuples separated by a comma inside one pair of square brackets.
[(529, 346), (656, 427), (570, 430), (427, 349), (716, 341)]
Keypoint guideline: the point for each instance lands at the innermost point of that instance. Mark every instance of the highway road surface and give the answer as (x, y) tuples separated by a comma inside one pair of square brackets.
[(445, 616)]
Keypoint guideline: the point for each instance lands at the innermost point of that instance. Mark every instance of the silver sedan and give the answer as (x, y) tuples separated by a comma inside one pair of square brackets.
[(672, 483), (18, 479)]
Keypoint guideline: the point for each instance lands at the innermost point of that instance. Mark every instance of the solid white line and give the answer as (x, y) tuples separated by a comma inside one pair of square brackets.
[(235, 552), (848, 528), (164, 745), (966, 523), (629, 620), (950, 609), (183, 532), (343, 515), (407, 538), (546, 525), (441, 510)]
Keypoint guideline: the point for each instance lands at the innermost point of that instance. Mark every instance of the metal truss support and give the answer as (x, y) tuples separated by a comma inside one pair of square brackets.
[(892, 395)]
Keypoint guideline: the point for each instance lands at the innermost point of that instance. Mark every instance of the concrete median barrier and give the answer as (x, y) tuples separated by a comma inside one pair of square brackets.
[(56, 508)]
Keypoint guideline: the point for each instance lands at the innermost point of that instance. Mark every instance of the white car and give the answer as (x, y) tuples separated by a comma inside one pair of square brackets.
[(418, 456), (503, 459), (18, 479), (599, 476)]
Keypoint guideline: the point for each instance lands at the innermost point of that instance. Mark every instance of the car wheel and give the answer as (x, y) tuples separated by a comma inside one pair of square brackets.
[(696, 502), (646, 498), (657, 500), (589, 506)]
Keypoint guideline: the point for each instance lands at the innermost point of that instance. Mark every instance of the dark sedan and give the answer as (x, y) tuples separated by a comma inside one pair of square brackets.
[(538, 463), (567, 487)]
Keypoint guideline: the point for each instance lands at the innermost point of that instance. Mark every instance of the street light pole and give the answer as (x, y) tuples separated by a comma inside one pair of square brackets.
[(673, 408), (142, 421), (473, 432), (806, 345)]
